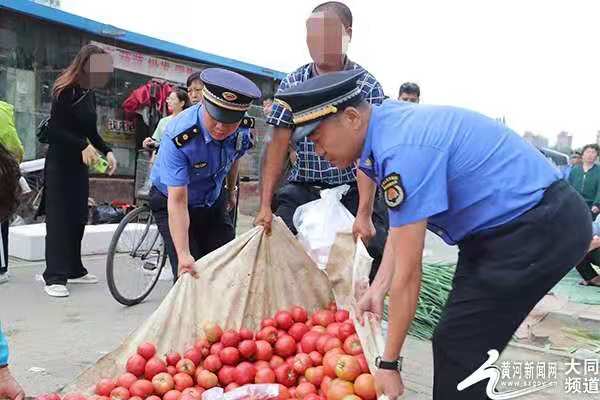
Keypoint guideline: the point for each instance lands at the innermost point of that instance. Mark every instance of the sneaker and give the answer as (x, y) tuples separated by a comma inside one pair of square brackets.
[(89, 279), (57, 290), (3, 278)]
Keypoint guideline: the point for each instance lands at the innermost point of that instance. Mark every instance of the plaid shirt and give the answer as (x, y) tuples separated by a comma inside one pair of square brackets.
[(310, 168)]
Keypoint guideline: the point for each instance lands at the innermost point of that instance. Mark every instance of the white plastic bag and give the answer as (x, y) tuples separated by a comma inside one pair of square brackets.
[(319, 221)]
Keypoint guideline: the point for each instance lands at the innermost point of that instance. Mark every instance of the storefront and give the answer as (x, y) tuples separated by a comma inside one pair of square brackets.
[(38, 42)]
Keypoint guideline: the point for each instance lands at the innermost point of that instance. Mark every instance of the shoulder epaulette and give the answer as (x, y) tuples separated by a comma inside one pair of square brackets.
[(184, 137), (248, 122)]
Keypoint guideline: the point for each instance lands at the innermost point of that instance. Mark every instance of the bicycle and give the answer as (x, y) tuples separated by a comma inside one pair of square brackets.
[(136, 255)]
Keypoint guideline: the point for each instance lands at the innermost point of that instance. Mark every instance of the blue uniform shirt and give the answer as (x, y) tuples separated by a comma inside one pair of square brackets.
[(198, 162), (3, 349), (462, 171)]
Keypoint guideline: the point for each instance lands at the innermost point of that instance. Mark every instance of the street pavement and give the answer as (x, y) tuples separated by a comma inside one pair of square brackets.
[(53, 340)]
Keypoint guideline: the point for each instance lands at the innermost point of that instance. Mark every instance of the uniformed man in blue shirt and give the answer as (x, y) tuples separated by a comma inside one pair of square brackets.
[(474, 182), (199, 148)]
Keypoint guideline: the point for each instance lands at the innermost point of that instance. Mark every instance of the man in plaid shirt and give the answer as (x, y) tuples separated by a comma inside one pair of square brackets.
[(329, 29)]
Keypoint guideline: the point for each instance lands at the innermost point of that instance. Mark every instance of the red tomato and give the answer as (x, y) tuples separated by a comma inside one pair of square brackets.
[(364, 386), (347, 368), (346, 329), (173, 358), (330, 362), (186, 366), (203, 346), (212, 363), (171, 370), (105, 386), (285, 346), (319, 329), (304, 389), (325, 385), (120, 393), (192, 393), (153, 367), (216, 348), (246, 334), (309, 341), (136, 365), (286, 375), (268, 333), (262, 364), (352, 345), (162, 383), (206, 379), (284, 393), (321, 342), (226, 375), (264, 375), (332, 344), (248, 349), (230, 356), (323, 317), (230, 338), (184, 381), (244, 374), (172, 395), (284, 320), (315, 375), (298, 330), (268, 322), (213, 332), (264, 350), (342, 315), (126, 380), (146, 350), (338, 389), (142, 388), (276, 361), (195, 355), (299, 314), (334, 329), (364, 366), (301, 362), (316, 357)]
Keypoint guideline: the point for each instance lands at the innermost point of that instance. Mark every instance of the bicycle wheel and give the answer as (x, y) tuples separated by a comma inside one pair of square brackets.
[(136, 257)]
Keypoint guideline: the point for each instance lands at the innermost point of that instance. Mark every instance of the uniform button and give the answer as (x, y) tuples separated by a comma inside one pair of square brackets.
[(195, 130), (185, 137)]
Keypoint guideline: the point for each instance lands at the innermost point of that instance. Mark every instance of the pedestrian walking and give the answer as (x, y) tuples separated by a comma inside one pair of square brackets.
[(72, 124), (519, 227)]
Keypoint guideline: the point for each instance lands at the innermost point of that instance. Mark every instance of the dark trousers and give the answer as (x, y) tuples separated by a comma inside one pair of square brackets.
[(293, 195), (4, 247), (501, 275), (585, 268), (63, 252), (210, 227)]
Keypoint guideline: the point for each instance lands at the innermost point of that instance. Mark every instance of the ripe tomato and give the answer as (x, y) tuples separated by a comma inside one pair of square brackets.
[(316, 358), (162, 383), (298, 330), (332, 344), (276, 361), (330, 362), (284, 320), (352, 345), (323, 317), (261, 364), (347, 368), (301, 362), (246, 334), (325, 385), (186, 366), (299, 314), (315, 375), (269, 334), (226, 375), (364, 366), (173, 358), (184, 381), (341, 315), (172, 395), (304, 389), (105, 386), (126, 380), (146, 350), (171, 370), (321, 342), (216, 348), (244, 374), (268, 322), (338, 389), (154, 366), (264, 375), (212, 363), (203, 346), (192, 393), (248, 349), (346, 329), (285, 346), (136, 365), (230, 356), (309, 341), (142, 388), (364, 386), (230, 338), (206, 379), (284, 393), (286, 375), (264, 350), (119, 393), (333, 329), (213, 332), (195, 355)]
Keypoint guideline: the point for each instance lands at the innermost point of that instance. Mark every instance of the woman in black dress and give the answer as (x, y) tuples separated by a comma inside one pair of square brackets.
[(73, 139)]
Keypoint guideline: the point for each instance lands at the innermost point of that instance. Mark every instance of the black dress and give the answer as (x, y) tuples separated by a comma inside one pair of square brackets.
[(72, 124)]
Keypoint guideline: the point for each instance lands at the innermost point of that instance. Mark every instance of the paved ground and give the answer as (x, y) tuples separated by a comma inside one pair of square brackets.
[(53, 340)]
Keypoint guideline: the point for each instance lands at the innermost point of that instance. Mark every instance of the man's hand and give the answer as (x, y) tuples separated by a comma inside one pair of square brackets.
[(232, 200), (265, 219), (112, 163), (389, 382), (363, 227), (9, 388), (149, 143), (186, 265), (370, 305)]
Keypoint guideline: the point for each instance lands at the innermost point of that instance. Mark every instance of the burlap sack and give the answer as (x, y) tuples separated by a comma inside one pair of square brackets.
[(240, 284)]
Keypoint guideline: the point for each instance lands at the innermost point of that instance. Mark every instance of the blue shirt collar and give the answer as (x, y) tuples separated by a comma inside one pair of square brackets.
[(366, 159)]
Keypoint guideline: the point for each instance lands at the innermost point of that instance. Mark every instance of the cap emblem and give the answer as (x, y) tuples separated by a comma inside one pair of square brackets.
[(229, 96)]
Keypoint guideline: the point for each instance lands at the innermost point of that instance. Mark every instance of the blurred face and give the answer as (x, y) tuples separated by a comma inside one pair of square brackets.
[(339, 139), (195, 91), (99, 69), (219, 130), (267, 106), (589, 155), (410, 97), (174, 104), (327, 39)]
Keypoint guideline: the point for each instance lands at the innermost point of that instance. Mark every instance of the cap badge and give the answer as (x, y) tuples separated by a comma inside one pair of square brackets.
[(393, 191), (229, 96)]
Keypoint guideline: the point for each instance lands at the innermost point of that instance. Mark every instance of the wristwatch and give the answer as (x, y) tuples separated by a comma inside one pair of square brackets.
[(395, 365)]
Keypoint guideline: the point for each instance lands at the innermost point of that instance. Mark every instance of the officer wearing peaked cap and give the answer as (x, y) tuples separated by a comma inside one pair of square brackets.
[(474, 182), (199, 149)]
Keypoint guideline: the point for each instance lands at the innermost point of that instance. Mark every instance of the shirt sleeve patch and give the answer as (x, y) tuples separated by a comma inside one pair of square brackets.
[(393, 190)]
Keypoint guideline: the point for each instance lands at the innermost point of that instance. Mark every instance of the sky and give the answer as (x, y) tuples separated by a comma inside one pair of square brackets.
[(535, 62)]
